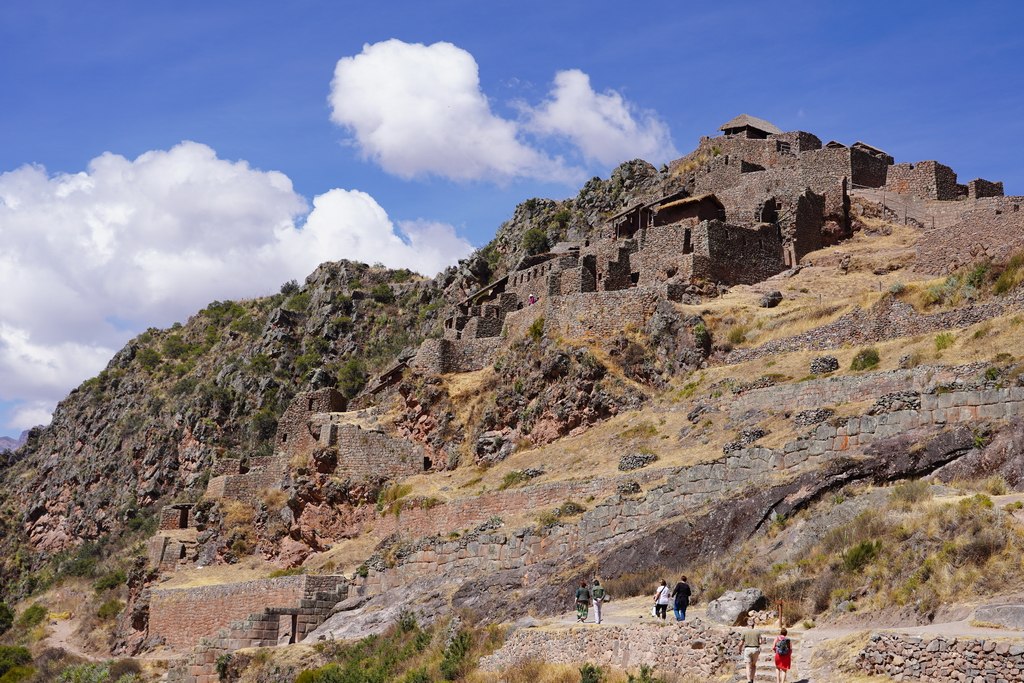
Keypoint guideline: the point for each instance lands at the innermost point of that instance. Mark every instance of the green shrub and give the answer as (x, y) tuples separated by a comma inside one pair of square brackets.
[(110, 580), (32, 616), (290, 287), (537, 329), (737, 334), (351, 377), (109, 609), (865, 359), (222, 664), (382, 294), (646, 675), (11, 657), (906, 494), (897, 288), (85, 673), (298, 303), (453, 661), (535, 241), (6, 618), (589, 673), (148, 358), (860, 555), (944, 340), (701, 336)]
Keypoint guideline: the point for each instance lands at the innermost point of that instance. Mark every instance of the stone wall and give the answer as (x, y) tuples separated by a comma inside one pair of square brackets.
[(620, 519), (294, 435), (369, 454), (269, 474), (738, 255), (913, 658), (688, 647), (176, 517), (601, 314), (978, 188), (925, 179), (988, 229), (442, 356), (183, 616)]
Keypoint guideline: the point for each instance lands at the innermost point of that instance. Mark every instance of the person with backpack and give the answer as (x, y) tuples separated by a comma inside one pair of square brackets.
[(661, 599), (681, 594), (582, 602), (783, 649), (598, 596)]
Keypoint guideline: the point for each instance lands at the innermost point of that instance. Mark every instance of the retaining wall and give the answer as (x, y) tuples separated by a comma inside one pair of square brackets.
[(687, 647), (911, 658)]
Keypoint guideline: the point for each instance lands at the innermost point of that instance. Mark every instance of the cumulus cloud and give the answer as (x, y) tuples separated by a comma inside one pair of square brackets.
[(419, 110), (89, 259), (603, 126)]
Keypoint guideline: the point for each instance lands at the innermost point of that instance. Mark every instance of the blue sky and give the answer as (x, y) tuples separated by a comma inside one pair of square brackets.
[(251, 84)]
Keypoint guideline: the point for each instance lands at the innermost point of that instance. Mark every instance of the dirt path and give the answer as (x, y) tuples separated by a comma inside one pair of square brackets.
[(61, 632)]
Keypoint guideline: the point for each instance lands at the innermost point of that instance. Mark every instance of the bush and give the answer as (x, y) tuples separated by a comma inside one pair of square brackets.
[(148, 358), (110, 580), (906, 494), (32, 616), (290, 287), (535, 241), (109, 610), (537, 329), (737, 334), (865, 359), (351, 378), (646, 675), (11, 657), (6, 618), (453, 661), (701, 336), (860, 555), (85, 673), (382, 294), (590, 673), (944, 340)]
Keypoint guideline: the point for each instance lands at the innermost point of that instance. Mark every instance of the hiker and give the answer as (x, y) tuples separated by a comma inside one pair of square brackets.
[(783, 649), (598, 597), (582, 602), (681, 593), (750, 650), (532, 300), (661, 598)]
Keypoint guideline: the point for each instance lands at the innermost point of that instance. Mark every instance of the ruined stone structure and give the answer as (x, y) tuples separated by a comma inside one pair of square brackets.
[(753, 202)]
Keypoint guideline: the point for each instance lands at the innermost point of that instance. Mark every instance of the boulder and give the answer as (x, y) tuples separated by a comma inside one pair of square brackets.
[(731, 609), (770, 299), (822, 365)]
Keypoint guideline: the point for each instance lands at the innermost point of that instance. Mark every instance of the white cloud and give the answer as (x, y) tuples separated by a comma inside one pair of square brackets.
[(603, 126), (419, 110), (88, 259)]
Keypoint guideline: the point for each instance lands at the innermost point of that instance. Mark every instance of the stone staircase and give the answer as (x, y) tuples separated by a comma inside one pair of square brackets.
[(766, 662)]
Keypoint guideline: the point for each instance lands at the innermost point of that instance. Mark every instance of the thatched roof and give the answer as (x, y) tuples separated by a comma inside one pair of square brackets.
[(745, 120), (690, 200)]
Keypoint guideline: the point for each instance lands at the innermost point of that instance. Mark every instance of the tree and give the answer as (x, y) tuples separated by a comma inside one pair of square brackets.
[(6, 618)]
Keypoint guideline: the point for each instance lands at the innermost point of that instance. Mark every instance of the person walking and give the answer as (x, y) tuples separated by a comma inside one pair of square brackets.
[(582, 602), (661, 600), (597, 596), (783, 649), (681, 596), (751, 650)]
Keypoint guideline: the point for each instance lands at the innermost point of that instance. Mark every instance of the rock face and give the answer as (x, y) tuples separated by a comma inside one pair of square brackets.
[(731, 609), (1006, 616)]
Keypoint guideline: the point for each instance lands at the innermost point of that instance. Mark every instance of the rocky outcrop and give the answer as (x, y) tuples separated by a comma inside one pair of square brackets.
[(731, 608)]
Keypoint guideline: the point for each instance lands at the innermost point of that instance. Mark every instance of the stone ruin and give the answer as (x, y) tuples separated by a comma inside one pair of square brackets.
[(751, 203)]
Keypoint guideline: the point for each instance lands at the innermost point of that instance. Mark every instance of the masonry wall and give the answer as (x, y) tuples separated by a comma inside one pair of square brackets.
[(989, 229), (368, 454), (739, 255), (925, 179), (914, 658), (688, 647), (294, 433), (183, 616), (978, 188), (443, 356)]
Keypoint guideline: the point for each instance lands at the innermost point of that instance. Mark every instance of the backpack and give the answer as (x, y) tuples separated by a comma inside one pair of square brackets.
[(597, 592), (783, 646)]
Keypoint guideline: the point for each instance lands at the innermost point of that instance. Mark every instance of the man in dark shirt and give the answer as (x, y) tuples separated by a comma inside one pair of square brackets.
[(681, 593)]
